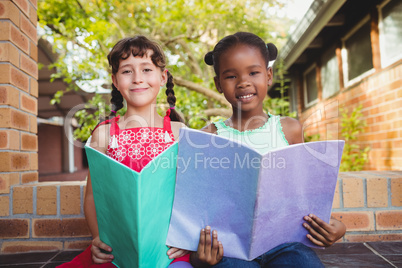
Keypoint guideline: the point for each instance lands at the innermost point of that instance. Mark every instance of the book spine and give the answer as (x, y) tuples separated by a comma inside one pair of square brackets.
[(255, 216)]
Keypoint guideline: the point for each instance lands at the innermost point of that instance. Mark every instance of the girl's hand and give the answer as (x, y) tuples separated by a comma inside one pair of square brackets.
[(174, 253), (207, 254), (321, 233), (97, 255)]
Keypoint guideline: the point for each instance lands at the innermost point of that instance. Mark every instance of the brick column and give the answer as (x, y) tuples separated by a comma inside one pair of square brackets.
[(18, 110)]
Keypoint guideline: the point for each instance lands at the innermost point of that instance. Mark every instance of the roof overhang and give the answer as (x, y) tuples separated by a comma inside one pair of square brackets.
[(71, 99), (316, 18)]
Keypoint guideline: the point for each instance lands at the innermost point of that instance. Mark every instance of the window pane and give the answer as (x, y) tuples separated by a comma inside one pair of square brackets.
[(329, 73), (360, 58), (311, 84), (391, 31)]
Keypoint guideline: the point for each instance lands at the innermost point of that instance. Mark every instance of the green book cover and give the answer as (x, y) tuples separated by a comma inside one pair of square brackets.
[(133, 209)]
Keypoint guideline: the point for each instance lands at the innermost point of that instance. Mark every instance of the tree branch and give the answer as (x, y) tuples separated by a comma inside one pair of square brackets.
[(174, 39), (57, 31), (79, 4), (122, 33), (218, 111), (194, 64), (200, 89)]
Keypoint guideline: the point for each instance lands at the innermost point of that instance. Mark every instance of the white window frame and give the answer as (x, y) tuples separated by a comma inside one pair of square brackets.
[(306, 103), (344, 53), (385, 62)]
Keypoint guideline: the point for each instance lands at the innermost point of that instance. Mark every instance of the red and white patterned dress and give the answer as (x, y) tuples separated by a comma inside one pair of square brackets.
[(136, 147)]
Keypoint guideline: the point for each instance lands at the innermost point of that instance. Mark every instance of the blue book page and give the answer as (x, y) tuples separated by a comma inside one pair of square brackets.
[(211, 171), (254, 201), (294, 181)]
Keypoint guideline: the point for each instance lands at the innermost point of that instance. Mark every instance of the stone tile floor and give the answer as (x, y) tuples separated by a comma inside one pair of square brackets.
[(370, 254)]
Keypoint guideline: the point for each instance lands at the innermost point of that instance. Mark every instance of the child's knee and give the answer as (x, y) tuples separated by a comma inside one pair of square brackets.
[(292, 255)]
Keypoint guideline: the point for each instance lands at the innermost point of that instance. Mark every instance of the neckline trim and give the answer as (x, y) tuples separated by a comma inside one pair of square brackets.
[(245, 132), (118, 129)]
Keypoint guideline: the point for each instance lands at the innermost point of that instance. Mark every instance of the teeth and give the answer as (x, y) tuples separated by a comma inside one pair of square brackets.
[(246, 96)]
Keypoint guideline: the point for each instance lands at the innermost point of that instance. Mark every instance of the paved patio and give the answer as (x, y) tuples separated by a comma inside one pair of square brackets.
[(370, 254)]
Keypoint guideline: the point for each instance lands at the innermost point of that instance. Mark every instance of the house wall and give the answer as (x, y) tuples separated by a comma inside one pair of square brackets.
[(50, 156), (380, 94), (50, 149), (378, 90)]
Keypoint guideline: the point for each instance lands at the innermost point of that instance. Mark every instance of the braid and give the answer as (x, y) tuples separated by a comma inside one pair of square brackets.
[(117, 102), (171, 99)]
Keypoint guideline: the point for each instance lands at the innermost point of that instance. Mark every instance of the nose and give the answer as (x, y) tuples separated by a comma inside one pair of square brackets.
[(137, 77), (244, 82)]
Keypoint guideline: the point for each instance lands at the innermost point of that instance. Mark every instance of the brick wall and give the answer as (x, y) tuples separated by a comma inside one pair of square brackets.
[(18, 92), (33, 216), (370, 205), (381, 96), (49, 216), (43, 216)]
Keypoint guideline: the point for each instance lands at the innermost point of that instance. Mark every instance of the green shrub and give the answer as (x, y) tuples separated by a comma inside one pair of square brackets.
[(354, 158), (313, 137)]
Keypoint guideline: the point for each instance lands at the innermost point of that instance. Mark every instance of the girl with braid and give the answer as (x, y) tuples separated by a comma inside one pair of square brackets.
[(138, 72), (243, 75)]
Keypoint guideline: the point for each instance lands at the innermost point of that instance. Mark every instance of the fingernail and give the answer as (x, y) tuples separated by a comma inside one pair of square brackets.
[(311, 215), (214, 232), (208, 227), (109, 249)]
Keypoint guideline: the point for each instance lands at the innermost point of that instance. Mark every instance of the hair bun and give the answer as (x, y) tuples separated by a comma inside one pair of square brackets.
[(209, 58), (272, 51)]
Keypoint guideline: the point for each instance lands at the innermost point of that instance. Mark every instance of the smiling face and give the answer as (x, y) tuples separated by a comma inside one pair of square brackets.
[(244, 78), (139, 80)]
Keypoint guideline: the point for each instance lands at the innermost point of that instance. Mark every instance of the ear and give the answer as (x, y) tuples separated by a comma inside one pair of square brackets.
[(270, 76), (218, 84), (164, 77), (114, 81)]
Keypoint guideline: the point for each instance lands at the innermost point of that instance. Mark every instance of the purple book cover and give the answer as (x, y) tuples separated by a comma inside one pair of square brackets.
[(255, 202)]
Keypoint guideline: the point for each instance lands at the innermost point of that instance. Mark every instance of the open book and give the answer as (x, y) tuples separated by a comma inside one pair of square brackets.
[(254, 201), (133, 209)]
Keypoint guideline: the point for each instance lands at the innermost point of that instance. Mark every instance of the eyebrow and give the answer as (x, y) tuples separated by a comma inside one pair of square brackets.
[(141, 64), (249, 67)]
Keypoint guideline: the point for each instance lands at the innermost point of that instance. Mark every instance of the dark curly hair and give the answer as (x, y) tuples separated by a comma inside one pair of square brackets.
[(268, 51)]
